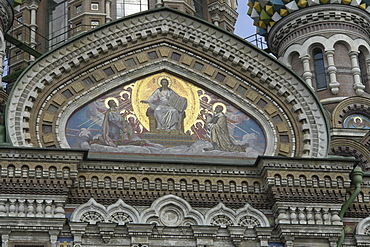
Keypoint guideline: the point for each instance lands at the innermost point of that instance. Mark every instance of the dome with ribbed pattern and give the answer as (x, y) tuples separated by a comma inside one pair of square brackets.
[(266, 13)]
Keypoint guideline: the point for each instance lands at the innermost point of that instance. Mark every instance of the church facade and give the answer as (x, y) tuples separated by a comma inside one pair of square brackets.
[(164, 129)]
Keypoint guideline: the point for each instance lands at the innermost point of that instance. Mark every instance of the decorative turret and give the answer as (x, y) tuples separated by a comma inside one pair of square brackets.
[(223, 13), (325, 42)]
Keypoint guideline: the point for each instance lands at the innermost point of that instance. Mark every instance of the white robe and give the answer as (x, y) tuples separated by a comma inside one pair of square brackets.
[(166, 115)]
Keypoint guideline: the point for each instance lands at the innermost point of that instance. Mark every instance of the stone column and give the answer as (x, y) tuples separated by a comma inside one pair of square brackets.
[(356, 72), (332, 70), (307, 75), (33, 8), (108, 4), (2, 54)]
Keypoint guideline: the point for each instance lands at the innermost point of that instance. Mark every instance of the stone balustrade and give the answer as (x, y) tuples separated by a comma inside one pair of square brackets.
[(307, 213), (52, 207)]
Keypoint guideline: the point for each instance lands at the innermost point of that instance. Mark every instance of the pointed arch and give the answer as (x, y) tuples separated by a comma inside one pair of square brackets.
[(91, 212)]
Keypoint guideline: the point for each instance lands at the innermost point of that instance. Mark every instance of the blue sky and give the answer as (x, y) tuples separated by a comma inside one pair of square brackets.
[(244, 25)]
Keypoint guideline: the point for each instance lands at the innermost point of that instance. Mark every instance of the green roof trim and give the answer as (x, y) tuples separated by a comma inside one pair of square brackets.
[(22, 45)]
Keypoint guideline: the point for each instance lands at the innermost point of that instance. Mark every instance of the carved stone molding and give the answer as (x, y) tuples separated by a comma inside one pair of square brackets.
[(169, 216), (168, 211), (290, 96)]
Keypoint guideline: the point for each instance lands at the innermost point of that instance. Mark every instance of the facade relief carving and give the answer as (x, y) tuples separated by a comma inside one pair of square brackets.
[(168, 211)]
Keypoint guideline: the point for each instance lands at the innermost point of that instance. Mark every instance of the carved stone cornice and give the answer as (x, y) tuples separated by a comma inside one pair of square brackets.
[(35, 154)]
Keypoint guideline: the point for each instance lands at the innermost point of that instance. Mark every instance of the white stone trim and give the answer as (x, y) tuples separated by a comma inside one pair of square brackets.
[(180, 210), (361, 226), (169, 210)]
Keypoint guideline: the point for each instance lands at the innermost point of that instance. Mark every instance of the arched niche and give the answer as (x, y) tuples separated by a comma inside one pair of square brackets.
[(353, 112), (166, 41)]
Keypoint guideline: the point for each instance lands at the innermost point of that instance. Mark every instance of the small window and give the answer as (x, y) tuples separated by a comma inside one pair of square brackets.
[(78, 9), (199, 6), (20, 19), (318, 60), (94, 6), (19, 36), (363, 69)]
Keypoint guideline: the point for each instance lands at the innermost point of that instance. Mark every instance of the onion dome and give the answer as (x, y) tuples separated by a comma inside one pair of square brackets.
[(266, 13)]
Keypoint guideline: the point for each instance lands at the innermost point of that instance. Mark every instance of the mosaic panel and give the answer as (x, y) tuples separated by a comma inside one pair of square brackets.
[(163, 114)]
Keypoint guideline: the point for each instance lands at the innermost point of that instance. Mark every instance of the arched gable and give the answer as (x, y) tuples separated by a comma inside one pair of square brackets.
[(350, 108), (166, 41)]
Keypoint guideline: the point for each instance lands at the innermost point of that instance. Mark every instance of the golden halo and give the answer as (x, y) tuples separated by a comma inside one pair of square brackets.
[(131, 115), (164, 77), (125, 92), (199, 121), (108, 99), (129, 86), (355, 118), (206, 96), (217, 104), (144, 89)]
